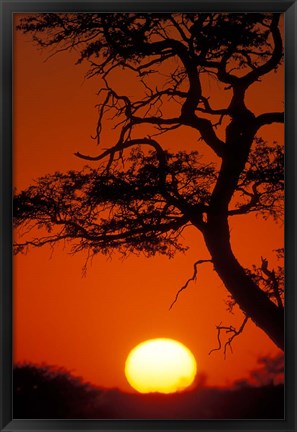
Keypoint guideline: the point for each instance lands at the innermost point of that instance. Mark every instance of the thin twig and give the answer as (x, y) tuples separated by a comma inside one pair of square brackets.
[(192, 278), (229, 329)]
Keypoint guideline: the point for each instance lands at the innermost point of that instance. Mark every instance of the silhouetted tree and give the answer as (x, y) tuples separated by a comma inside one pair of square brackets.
[(142, 196), (42, 391)]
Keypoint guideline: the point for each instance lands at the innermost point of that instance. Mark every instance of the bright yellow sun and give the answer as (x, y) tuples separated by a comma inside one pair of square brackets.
[(160, 365)]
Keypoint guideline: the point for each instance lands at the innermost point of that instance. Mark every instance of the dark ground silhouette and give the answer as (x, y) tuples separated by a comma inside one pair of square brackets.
[(48, 392)]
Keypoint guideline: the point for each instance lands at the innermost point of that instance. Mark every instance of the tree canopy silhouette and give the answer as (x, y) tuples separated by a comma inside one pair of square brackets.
[(43, 391), (140, 195)]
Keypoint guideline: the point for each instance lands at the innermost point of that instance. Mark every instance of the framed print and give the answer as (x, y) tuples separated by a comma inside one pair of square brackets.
[(148, 240)]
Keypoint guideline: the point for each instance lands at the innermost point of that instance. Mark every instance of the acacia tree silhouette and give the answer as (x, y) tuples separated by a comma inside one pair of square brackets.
[(141, 197)]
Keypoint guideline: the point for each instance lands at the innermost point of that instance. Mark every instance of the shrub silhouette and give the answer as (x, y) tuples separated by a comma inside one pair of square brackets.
[(47, 392)]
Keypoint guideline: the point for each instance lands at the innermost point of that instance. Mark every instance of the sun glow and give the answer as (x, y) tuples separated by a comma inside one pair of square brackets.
[(160, 365)]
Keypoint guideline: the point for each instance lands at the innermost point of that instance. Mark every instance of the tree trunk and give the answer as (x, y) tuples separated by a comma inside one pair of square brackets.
[(250, 298)]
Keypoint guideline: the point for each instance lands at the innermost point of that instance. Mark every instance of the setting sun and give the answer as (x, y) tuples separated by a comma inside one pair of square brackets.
[(160, 365), (148, 219)]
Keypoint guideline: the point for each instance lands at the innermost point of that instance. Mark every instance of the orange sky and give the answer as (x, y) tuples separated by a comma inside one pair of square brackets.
[(89, 324)]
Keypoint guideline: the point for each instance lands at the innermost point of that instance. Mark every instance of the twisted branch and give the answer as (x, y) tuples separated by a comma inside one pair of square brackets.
[(234, 332), (192, 278)]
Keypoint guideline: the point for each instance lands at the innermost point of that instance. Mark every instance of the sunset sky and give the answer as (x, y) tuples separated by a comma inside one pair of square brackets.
[(89, 323)]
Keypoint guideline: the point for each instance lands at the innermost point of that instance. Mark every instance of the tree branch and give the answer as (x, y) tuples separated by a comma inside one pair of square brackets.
[(275, 58), (269, 118), (234, 332), (192, 278)]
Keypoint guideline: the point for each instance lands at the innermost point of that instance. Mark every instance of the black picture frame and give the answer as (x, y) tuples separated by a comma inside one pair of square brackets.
[(8, 8)]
